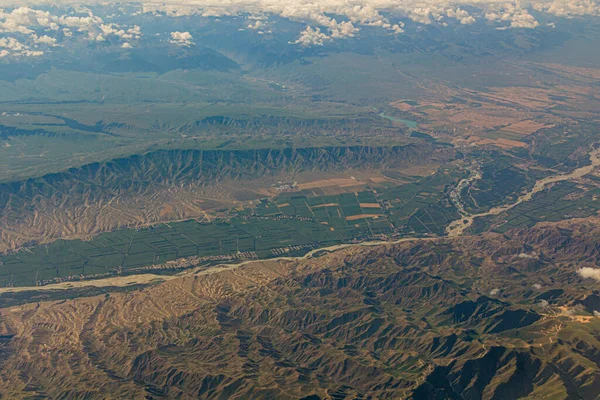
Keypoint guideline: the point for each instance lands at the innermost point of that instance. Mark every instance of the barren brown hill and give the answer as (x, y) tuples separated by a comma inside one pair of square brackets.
[(491, 316), (168, 186)]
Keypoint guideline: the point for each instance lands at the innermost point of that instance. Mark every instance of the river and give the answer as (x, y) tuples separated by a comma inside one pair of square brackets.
[(458, 227)]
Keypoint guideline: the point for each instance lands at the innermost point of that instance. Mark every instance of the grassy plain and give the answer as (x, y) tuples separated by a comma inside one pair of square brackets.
[(64, 119)]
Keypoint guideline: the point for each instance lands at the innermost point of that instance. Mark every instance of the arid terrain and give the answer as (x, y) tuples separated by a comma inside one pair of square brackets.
[(491, 316), (176, 185), (307, 199), (504, 116)]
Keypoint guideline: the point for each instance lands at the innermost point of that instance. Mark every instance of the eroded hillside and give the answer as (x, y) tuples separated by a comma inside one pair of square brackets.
[(489, 316), (170, 185)]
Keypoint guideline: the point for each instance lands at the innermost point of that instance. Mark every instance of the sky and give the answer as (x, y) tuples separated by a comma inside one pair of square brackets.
[(29, 28)]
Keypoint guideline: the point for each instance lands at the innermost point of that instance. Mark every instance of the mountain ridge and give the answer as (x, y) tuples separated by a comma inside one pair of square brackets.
[(391, 321), (133, 191)]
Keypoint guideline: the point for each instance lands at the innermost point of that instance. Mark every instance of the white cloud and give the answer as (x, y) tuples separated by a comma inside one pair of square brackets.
[(29, 21), (312, 37), (181, 38), (344, 18), (327, 19), (25, 19), (513, 14), (135, 31), (126, 46), (587, 272), (11, 43), (21, 19), (537, 286), (333, 19), (460, 15), (523, 19), (45, 39), (494, 292), (569, 8), (256, 25), (120, 31), (90, 24), (10, 46)]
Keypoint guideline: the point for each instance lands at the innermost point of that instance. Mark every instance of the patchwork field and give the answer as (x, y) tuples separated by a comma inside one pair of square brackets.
[(358, 199), (564, 200), (130, 251), (505, 116), (499, 142), (289, 224)]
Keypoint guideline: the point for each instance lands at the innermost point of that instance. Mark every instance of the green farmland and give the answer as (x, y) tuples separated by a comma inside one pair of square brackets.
[(290, 224), (563, 201), (129, 250)]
